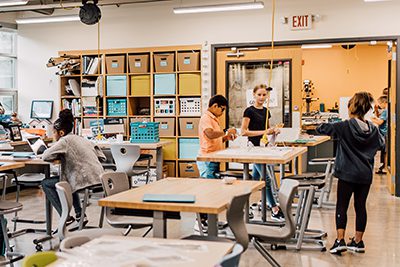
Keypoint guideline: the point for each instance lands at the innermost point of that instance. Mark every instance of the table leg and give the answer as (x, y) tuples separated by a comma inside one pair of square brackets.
[(48, 207), (295, 166), (159, 224), (246, 176), (264, 193), (212, 225), (282, 171), (159, 163)]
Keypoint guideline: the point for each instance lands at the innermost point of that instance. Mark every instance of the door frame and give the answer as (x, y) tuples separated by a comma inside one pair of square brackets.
[(278, 44)]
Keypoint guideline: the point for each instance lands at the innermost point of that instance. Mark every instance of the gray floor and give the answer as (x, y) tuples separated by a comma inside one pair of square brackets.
[(382, 235)]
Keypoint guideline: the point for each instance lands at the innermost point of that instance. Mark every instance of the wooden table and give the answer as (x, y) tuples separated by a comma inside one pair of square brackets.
[(212, 197), (245, 156), (157, 147), (309, 141), (6, 166), (126, 251)]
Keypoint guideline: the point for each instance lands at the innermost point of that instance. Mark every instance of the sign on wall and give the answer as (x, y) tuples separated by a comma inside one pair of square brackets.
[(300, 22)]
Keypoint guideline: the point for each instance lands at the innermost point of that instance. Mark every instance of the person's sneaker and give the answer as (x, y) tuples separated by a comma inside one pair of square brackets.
[(204, 226), (70, 220), (338, 247), (356, 247), (278, 217)]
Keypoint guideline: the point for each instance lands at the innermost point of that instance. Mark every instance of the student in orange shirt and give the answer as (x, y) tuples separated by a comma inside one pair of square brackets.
[(212, 137)]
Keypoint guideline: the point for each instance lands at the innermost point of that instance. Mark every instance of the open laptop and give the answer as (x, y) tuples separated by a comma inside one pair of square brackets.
[(37, 145)]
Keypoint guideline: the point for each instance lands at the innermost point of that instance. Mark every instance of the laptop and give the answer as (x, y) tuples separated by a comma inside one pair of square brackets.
[(170, 198), (37, 145)]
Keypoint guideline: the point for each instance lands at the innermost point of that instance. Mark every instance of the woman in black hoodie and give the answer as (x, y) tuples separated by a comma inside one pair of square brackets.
[(358, 142)]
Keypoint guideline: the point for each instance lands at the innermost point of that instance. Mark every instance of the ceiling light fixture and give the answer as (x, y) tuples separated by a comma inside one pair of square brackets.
[(313, 46), (47, 19), (13, 3), (368, 1), (219, 8)]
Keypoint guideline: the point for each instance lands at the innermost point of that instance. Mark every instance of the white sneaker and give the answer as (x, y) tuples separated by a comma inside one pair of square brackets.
[(204, 227)]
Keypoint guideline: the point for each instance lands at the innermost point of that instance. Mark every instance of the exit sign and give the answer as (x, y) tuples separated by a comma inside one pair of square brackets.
[(300, 22)]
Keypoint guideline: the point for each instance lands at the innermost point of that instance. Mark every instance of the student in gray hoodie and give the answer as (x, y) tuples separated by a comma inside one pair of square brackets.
[(80, 165), (358, 142)]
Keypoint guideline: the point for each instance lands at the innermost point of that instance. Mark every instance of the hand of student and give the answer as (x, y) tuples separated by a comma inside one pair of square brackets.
[(231, 134)]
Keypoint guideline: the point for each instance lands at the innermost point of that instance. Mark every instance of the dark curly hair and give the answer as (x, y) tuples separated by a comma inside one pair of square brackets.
[(65, 121)]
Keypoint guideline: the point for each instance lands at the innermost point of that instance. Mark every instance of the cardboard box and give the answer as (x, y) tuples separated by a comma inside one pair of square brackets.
[(170, 168), (188, 169), (189, 126), (115, 64), (164, 62), (189, 84), (167, 126), (169, 151), (140, 85), (189, 61), (153, 161), (138, 63)]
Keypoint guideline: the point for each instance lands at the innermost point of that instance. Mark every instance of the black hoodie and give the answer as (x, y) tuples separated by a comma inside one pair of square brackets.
[(356, 149)]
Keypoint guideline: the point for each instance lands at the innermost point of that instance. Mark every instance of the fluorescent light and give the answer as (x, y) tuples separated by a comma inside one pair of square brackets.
[(48, 19), (13, 3), (219, 8), (312, 46), (377, 0)]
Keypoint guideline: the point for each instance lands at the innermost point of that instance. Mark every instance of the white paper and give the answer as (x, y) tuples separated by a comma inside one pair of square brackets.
[(288, 135), (256, 151), (343, 109), (296, 119)]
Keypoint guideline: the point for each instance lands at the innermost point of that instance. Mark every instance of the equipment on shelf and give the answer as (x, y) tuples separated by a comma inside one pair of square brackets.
[(68, 64), (308, 88), (89, 13)]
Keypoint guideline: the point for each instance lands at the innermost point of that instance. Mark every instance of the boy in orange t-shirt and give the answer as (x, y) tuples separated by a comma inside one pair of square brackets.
[(211, 136)]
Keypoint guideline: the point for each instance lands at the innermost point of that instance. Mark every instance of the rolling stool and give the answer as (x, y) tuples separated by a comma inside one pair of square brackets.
[(323, 199), (7, 207), (308, 184)]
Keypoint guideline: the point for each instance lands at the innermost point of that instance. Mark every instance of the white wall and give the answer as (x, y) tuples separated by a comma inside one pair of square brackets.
[(156, 25)]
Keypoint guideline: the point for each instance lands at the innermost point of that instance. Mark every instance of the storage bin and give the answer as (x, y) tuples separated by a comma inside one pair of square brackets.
[(140, 85), (169, 150), (171, 168), (167, 126), (115, 64), (189, 61), (164, 62), (188, 169), (190, 106), (116, 86), (145, 132), (189, 84), (164, 106), (140, 180), (116, 107), (188, 148), (138, 63), (189, 126), (164, 84)]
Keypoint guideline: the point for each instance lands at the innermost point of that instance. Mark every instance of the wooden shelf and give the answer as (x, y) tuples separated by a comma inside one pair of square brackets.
[(174, 72), (186, 159), (116, 74), (115, 96), (91, 75), (136, 96), (70, 97), (190, 71), (70, 76), (193, 137), (164, 96), (144, 73), (139, 116), (192, 95)]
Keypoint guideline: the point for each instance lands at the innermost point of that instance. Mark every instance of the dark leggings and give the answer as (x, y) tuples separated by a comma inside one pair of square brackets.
[(344, 192)]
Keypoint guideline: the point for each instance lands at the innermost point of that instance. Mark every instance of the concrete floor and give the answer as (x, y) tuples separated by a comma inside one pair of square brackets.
[(381, 239)]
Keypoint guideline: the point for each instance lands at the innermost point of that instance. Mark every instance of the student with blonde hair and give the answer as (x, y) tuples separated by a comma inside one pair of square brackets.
[(358, 142)]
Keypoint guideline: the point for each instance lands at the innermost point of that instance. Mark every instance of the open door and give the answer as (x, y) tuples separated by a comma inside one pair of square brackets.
[(391, 146)]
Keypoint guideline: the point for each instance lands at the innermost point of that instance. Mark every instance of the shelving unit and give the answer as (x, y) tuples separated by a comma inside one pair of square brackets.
[(140, 94)]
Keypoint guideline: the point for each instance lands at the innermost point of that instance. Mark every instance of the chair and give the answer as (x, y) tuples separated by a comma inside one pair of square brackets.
[(273, 234), (233, 258), (109, 164), (7, 207), (323, 199), (114, 183), (64, 192), (40, 259), (126, 155)]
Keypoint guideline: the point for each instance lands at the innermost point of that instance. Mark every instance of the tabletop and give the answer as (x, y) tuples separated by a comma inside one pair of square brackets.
[(212, 195), (142, 145), (6, 166), (308, 141)]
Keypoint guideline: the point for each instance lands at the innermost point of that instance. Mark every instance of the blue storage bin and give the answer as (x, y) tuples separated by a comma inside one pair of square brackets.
[(116, 107), (145, 132), (164, 84), (188, 148), (116, 86)]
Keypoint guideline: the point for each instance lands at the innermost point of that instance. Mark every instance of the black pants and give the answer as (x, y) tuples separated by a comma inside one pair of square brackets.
[(344, 192)]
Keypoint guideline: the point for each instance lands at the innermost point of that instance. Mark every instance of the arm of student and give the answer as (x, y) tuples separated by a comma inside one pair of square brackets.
[(328, 129), (213, 134), (377, 121), (245, 128), (55, 151), (99, 153)]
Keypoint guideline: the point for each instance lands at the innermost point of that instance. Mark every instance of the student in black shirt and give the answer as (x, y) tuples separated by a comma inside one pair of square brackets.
[(358, 142), (253, 126)]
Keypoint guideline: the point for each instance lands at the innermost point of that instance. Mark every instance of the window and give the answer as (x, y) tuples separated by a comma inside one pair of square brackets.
[(8, 59)]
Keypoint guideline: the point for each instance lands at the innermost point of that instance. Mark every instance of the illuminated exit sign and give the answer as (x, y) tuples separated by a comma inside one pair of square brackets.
[(301, 22)]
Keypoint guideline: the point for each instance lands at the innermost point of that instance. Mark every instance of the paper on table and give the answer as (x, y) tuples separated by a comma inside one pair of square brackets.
[(288, 135), (256, 151)]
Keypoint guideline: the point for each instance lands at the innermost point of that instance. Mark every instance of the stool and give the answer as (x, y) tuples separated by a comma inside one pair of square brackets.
[(87, 191), (325, 192), (236, 174), (7, 207)]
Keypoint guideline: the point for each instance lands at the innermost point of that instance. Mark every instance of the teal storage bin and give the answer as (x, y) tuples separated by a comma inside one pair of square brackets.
[(188, 148), (164, 84), (116, 107), (116, 86)]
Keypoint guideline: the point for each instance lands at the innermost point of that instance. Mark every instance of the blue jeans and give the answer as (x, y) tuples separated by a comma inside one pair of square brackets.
[(257, 176), (208, 169), (49, 188)]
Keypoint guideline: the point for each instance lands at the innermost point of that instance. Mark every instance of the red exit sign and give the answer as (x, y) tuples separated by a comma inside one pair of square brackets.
[(300, 22)]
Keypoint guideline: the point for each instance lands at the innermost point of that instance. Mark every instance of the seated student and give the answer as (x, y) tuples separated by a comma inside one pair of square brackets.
[(380, 111), (80, 165)]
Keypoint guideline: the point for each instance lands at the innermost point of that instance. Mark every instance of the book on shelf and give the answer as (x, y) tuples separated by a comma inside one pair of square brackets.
[(74, 87), (91, 65), (77, 127), (74, 105), (92, 87)]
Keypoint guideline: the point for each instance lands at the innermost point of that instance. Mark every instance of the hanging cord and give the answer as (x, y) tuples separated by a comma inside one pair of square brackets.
[(100, 63), (264, 139), (66, 8)]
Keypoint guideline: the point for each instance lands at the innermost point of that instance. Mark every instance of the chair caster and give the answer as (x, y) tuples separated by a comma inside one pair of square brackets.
[(278, 247), (39, 247)]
